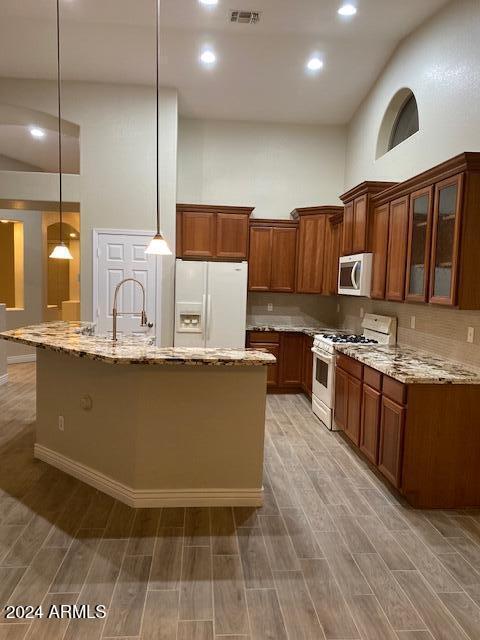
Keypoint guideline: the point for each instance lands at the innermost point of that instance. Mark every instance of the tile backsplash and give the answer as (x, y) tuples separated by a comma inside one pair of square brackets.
[(292, 309), (437, 330)]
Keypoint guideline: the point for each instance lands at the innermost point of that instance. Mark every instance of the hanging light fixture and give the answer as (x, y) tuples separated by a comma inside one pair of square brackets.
[(158, 245), (61, 251)]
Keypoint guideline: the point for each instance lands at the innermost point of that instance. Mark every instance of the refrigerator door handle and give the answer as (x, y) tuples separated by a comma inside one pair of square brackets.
[(209, 315)]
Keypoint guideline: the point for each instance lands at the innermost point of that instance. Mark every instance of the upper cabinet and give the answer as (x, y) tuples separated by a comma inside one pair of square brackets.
[(207, 232), (357, 214), (397, 249), (333, 246), (272, 256), (446, 239), (418, 253), (433, 236), (317, 258)]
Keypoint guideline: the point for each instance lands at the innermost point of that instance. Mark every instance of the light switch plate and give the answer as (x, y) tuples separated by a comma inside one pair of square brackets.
[(412, 322), (470, 334), (270, 306)]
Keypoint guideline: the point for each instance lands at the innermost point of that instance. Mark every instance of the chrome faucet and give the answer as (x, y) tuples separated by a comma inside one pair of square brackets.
[(115, 313)]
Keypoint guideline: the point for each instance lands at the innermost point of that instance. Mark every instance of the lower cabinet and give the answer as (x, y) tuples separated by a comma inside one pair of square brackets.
[(392, 428), (372, 420), (291, 360), (293, 370), (418, 436)]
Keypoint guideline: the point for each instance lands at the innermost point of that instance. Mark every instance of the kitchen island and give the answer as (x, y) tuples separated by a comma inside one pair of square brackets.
[(150, 426)]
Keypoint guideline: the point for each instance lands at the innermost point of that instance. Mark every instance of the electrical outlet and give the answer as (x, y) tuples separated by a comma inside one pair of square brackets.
[(470, 334), (61, 423), (338, 308), (412, 322), (362, 312), (270, 306)]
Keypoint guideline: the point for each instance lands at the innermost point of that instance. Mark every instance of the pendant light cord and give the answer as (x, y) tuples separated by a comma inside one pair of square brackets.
[(59, 121), (157, 79)]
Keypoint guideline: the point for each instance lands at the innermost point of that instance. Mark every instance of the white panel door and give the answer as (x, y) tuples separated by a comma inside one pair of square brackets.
[(226, 304), (120, 256)]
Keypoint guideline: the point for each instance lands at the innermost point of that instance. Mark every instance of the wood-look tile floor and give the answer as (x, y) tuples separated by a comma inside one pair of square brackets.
[(332, 554)]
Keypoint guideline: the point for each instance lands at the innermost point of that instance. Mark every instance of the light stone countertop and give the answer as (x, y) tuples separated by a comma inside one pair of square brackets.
[(411, 366), (309, 331), (75, 339)]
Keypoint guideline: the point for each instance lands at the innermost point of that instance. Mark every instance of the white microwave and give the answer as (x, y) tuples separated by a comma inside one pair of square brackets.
[(355, 275)]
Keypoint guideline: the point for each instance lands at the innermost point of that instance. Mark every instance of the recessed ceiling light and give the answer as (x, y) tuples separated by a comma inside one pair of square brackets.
[(347, 10), (4, 221), (208, 57), (36, 132), (209, 3), (72, 235), (314, 64)]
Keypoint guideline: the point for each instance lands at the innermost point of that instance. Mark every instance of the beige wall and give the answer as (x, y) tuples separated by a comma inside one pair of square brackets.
[(274, 167), (3, 343), (440, 63), (31, 313), (116, 188), (292, 309)]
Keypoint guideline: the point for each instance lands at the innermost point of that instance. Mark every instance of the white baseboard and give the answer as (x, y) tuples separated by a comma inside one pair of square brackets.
[(28, 357), (150, 497), (3, 379)]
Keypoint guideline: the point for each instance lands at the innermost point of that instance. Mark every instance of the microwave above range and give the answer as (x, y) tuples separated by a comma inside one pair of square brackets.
[(355, 275)]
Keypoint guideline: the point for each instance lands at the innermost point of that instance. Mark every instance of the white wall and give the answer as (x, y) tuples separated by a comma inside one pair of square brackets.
[(440, 62), (274, 167), (32, 311), (117, 165)]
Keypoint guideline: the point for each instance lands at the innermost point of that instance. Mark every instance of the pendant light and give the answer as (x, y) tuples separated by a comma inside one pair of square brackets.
[(61, 251), (158, 245)]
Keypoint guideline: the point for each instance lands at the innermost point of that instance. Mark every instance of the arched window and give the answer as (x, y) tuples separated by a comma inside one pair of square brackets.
[(406, 123), (399, 122)]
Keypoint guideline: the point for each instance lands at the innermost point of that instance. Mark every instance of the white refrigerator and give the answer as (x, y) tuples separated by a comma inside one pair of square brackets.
[(210, 304)]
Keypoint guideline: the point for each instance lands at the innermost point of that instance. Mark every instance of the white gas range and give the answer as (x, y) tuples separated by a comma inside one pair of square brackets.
[(377, 330)]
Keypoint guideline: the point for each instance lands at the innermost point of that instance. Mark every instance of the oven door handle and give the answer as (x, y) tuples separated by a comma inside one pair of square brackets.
[(355, 284), (321, 355)]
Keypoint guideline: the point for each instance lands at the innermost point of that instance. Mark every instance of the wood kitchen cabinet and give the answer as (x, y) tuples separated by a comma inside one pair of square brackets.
[(391, 441), (207, 232), (447, 217), (293, 371), (379, 249), (357, 214), (291, 363), (333, 245), (348, 397), (315, 241), (397, 249), (272, 255), (416, 435), (419, 242), (434, 228), (370, 422)]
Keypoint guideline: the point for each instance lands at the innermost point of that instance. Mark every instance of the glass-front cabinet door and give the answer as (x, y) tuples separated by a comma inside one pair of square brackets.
[(445, 240), (419, 237)]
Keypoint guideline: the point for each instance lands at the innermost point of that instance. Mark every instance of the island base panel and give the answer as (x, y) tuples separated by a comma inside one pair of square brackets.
[(173, 435)]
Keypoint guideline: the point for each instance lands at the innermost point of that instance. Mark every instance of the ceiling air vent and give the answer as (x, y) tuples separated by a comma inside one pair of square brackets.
[(245, 17)]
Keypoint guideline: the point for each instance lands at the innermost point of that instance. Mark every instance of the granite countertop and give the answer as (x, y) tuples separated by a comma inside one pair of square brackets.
[(411, 366), (309, 331), (76, 339)]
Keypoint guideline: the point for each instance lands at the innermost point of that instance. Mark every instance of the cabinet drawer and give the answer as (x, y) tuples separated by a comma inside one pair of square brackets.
[(373, 378), (264, 336), (353, 367), (394, 390)]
